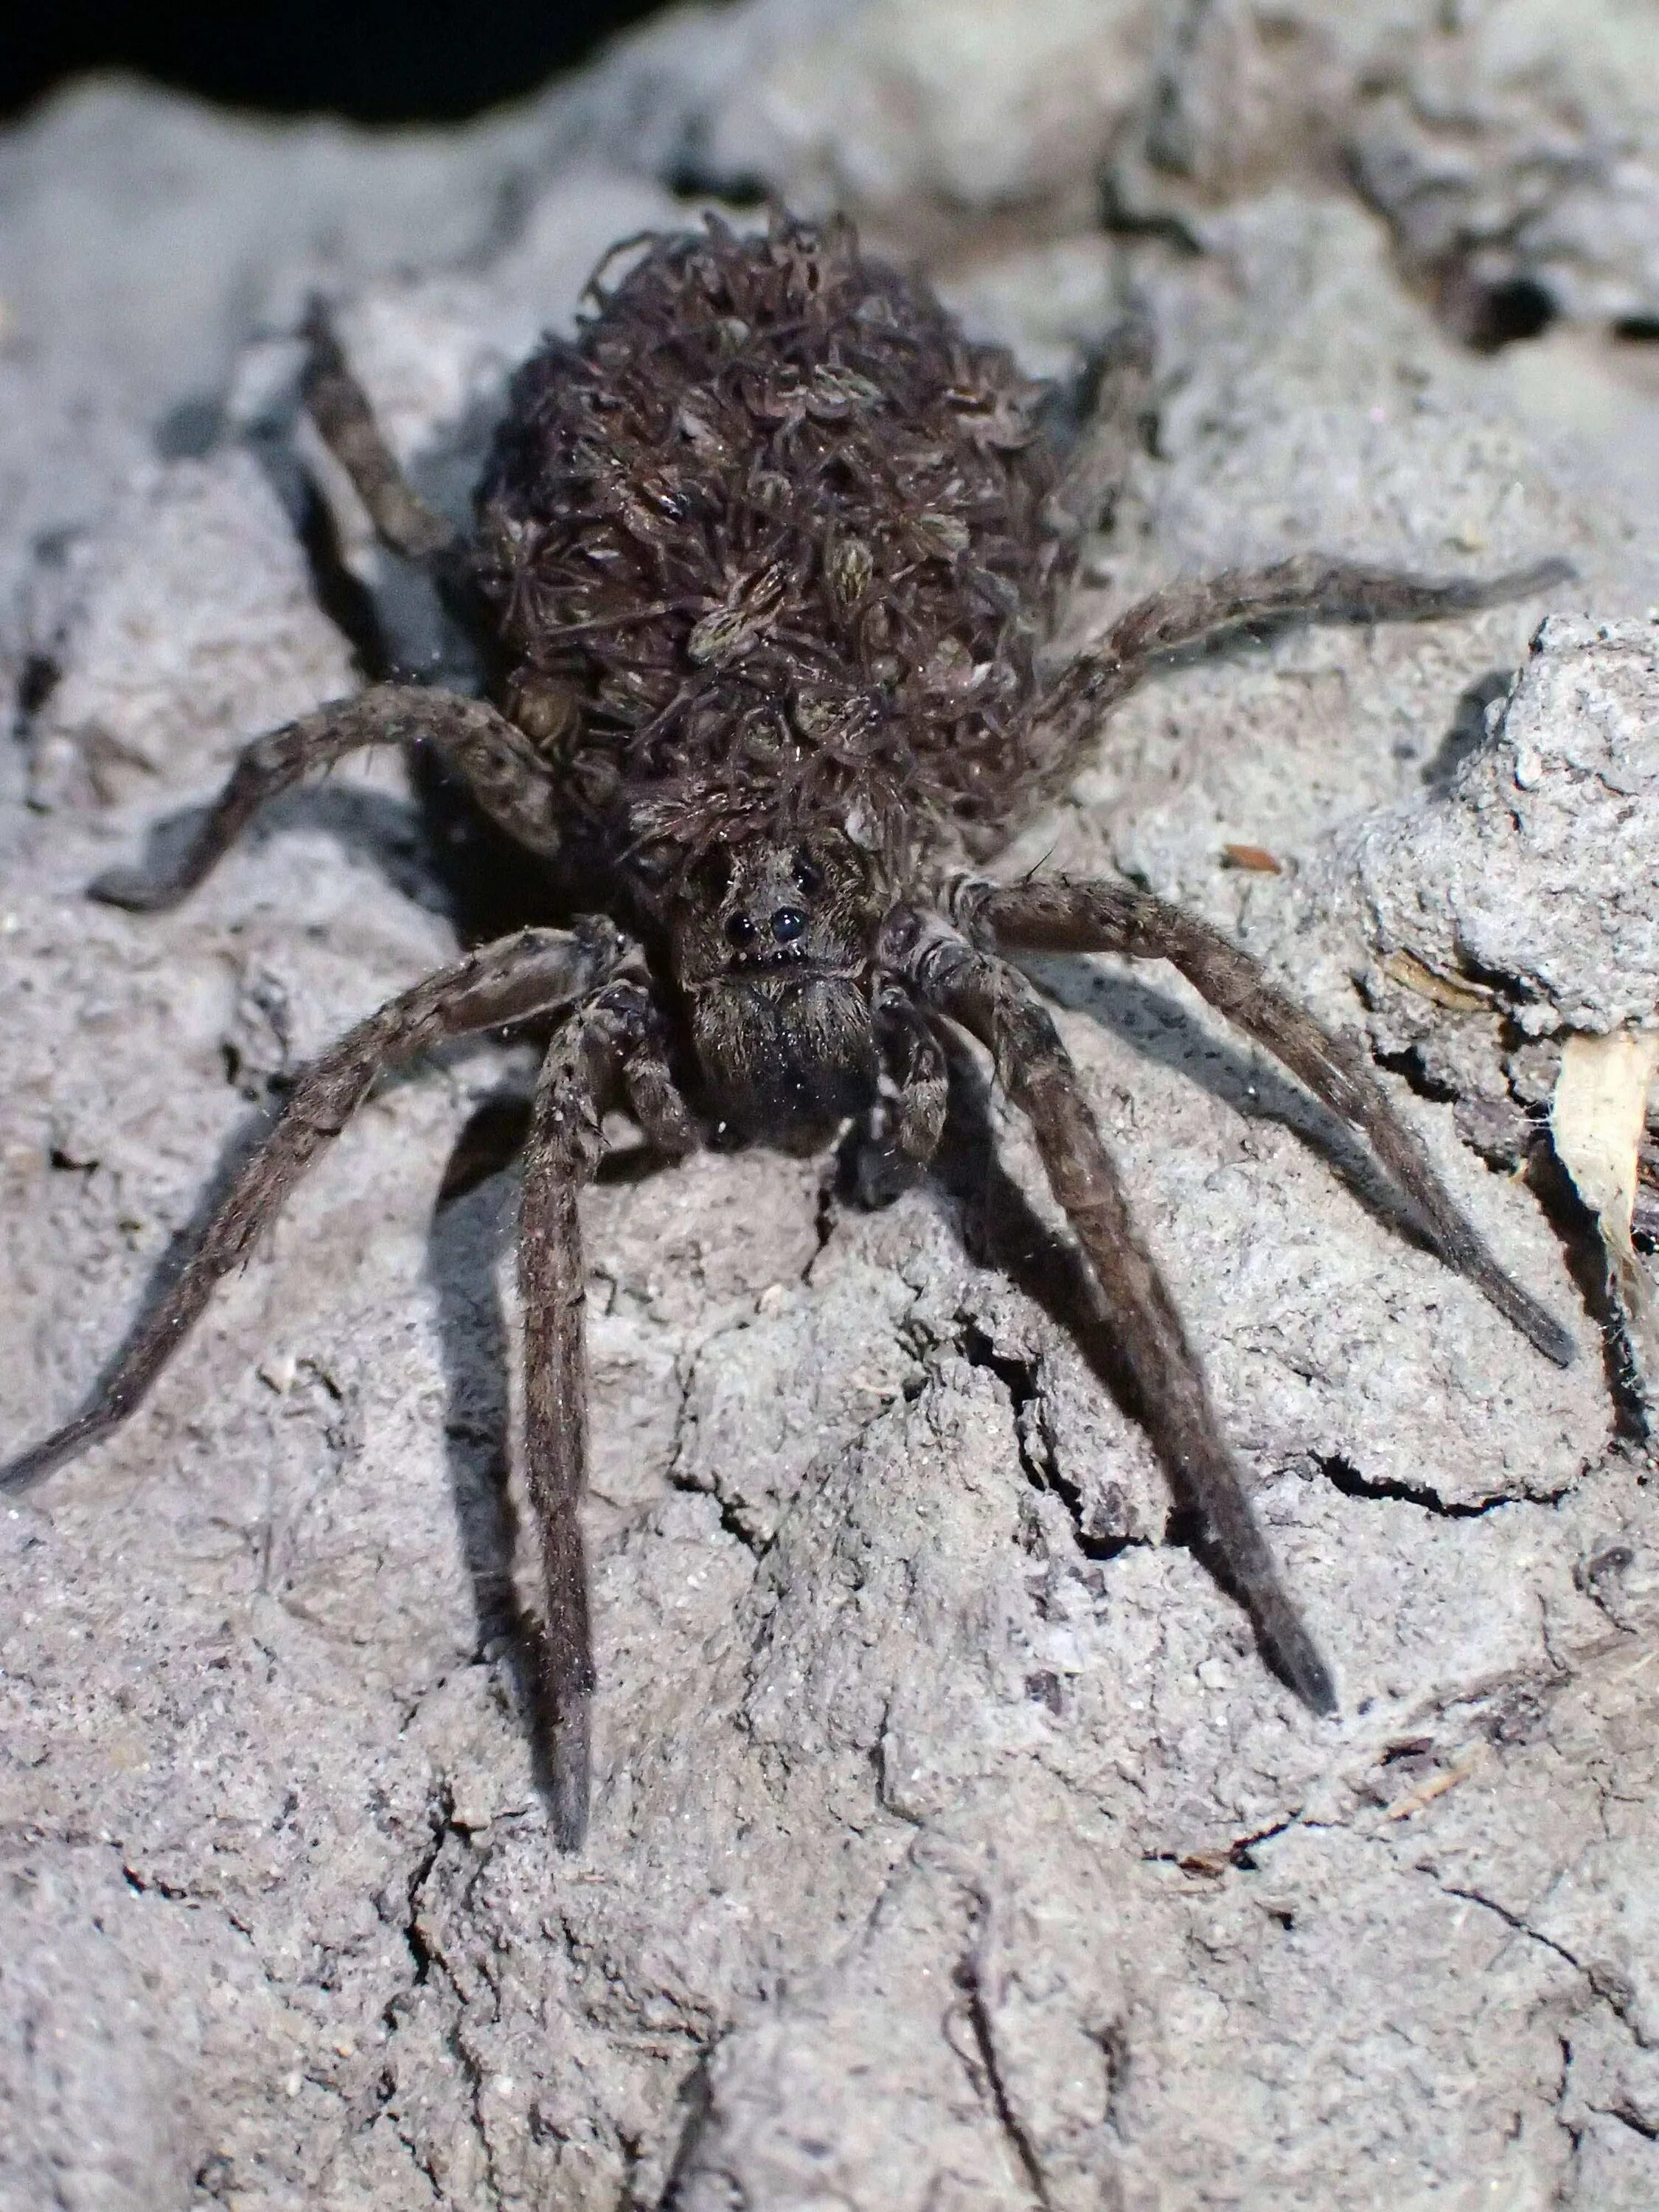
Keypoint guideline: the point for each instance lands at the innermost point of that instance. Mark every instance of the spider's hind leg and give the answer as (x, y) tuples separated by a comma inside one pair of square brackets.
[(340, 408)]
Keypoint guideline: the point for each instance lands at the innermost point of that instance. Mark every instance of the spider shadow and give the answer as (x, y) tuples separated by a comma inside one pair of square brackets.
[(465, 1239), (409, 626), (1000, 1227), (1158, 1027), (436, 848), (473, 1221), (388, 831)]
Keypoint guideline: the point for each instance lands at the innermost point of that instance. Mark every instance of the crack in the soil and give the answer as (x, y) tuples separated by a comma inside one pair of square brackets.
[(732, 1522), (171, 1893), (1236, 1854), (473, 2069), (1038, 1461), (1018, 1377), (1406, 1061), (1628, 2117), (1343, 1475), (697, 2094), (1018, 2135), (1113, 2041), (425, 1961), (1601, 1980), (1573, 2132), (440, 1810)]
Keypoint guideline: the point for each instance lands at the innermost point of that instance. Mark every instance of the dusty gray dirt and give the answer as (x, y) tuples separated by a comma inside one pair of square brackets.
[(952, 1847)]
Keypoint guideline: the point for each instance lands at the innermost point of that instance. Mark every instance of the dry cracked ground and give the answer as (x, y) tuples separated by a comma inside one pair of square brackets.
[(952, 1847)]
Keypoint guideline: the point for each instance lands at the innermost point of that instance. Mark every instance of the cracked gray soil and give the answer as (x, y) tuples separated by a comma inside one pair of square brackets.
[(953, 1849)]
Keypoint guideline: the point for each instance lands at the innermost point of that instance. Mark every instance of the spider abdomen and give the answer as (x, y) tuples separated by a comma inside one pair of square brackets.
[(777, 532)]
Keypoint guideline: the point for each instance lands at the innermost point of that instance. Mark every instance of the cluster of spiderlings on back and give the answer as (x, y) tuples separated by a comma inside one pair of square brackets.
[(781, 534)]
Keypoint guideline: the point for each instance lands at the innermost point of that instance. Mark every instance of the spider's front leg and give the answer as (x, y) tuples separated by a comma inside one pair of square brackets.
[(509, 981), (907, 1120), (611, 1047), (1104, 916), (994, 1001)]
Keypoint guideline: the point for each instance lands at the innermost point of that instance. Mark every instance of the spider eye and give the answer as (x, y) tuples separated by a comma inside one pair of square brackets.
[(739, 929), (809, 877)]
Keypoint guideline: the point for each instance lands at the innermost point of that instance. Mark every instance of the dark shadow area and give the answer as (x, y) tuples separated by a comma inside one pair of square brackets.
[(1118, 220), (471, 1224), (1488, 317), (693, 172), (385, 829), (491, 883), (409, 628), (339, 592), (1580, 1240), (1468, 733), (1001, 1229), (37, 679), (1481, 307), (377, 61), (414, 627), (189, 429), (243, 1141)]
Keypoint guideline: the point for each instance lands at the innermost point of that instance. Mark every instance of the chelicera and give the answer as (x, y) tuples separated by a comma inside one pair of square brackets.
[(767, 565)]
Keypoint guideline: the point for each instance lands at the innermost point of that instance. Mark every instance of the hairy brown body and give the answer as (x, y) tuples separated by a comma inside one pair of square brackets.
[(770, 561), (771, 544)]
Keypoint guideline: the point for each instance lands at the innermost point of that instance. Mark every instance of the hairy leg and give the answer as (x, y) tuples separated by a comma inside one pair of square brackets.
[(1113, 917), (613, 1044), (911, 1054), (904, 1126), (507, 981), (1308, 588), (493, 756), (339, 407), (1000, 1008)]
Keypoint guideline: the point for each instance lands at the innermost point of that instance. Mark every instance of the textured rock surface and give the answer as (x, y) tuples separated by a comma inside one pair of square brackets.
[(952, 1847), (1506, 142), (1540, 865)]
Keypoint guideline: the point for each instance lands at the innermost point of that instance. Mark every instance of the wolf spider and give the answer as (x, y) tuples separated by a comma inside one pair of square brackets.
[(768, 563)]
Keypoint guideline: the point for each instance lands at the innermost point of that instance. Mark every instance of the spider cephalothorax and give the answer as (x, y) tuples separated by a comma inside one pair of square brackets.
[(773, 947), (772, 554)]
